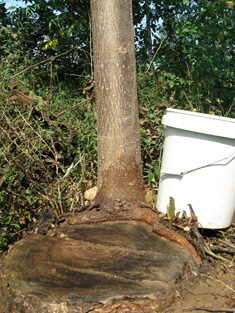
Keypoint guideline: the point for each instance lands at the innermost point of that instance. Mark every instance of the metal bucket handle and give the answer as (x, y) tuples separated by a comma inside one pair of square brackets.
[(167, 172)]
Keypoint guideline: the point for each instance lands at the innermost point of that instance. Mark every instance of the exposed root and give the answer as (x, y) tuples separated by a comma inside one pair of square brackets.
[(120, 210)]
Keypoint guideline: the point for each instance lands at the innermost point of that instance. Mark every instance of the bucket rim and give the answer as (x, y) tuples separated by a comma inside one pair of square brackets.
[(202, 115), (203, 123)]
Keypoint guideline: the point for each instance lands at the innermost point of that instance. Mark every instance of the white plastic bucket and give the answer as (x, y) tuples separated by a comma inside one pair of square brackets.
[(198, 167)]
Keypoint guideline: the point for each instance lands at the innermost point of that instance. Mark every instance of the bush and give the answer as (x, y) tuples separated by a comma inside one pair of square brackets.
[(47, 154)]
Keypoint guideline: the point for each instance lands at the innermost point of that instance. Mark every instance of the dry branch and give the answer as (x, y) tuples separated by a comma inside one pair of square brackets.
[(73, 106), (44, 61), (210, 309), (155, 54)]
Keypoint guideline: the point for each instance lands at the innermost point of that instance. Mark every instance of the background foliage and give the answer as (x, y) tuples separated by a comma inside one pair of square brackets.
[(185, 59)]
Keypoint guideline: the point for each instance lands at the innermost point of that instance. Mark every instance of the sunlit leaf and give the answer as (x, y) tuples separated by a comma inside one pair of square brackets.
[(151, 177)]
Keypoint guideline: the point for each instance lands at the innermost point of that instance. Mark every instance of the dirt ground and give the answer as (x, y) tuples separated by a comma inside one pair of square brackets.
[(214, 291)]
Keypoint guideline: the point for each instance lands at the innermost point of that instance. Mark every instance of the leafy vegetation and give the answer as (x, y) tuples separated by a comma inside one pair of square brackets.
[(48, 155)]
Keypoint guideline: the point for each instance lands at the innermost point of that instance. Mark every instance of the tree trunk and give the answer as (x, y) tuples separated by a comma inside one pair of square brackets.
[(120, 195), (119, 150)]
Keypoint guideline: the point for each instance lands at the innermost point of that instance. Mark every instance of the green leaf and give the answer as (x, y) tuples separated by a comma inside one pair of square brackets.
[(171, 84), (12, 8), (17, 226), (151, 177)]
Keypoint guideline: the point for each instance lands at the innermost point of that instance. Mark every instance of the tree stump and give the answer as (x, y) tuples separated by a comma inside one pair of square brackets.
[(118, 266)]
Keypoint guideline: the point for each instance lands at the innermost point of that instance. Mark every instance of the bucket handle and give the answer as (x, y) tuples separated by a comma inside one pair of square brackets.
[(167, 172)]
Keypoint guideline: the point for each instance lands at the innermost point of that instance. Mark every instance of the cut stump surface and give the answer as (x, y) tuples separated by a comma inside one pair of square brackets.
[(101, 267)]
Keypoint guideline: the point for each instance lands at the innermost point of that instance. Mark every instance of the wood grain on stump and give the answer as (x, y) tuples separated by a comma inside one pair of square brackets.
[(104, 267)]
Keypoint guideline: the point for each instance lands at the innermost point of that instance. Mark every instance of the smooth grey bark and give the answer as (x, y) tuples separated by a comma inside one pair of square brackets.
[(119, 149)]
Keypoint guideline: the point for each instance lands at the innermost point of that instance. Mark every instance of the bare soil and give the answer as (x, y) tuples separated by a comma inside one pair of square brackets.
[(212, 291)]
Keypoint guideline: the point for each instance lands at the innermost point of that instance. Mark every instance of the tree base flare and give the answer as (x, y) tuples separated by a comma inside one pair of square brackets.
[(120, 210)]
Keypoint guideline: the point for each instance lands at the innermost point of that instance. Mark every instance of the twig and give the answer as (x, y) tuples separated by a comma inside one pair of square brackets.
[(52, 205), (214, 255), (72, 107), (72, 166), (188, 73), (189, 102), (232, 261), (216, 247), (51, 74), (44, 61), (76, 75), (155, 55), (39, 136), (59, 199), (230, 108), (224, 285), (90, 46), (232, 310), (211, 277), (226, 243)]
